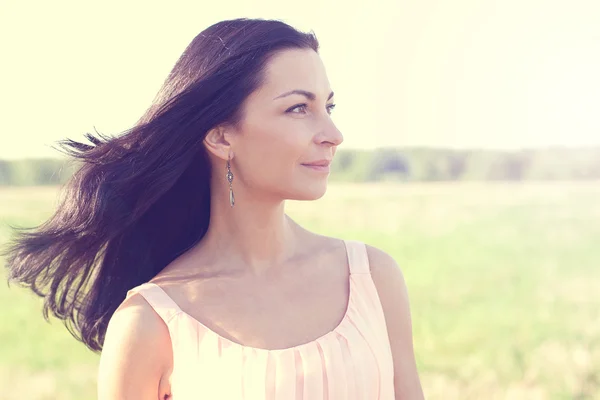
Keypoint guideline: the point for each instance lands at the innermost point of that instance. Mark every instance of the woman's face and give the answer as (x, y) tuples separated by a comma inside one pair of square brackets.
[(282, 130)]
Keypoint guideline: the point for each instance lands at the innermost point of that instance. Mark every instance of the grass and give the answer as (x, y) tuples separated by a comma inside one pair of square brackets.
[(504, 281)]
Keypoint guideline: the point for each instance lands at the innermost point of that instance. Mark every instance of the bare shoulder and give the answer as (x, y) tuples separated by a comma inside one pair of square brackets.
[(391, 286), (385, 271), (136, 353), (393, 294)]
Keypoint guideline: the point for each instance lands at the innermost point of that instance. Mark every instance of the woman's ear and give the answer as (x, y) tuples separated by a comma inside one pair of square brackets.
[(217, 141)]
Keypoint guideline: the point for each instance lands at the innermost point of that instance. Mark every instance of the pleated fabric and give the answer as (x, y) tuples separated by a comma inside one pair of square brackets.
[(351, 362)]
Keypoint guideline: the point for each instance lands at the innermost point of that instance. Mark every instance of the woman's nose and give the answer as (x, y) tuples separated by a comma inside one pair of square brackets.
[(332, 133)]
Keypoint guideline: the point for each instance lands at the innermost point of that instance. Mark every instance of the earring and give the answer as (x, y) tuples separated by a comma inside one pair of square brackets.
[(230, 179)]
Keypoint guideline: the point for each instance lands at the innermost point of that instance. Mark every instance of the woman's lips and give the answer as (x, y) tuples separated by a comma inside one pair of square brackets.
[(320, 168)]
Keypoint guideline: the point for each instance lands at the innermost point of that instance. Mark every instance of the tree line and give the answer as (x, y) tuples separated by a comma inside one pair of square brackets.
[(387, 164)]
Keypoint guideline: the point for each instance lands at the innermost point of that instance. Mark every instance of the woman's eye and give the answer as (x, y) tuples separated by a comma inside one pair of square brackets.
[(303, 106)]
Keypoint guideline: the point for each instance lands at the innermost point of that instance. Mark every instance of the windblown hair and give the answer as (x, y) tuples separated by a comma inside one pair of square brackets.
[(141, 199)]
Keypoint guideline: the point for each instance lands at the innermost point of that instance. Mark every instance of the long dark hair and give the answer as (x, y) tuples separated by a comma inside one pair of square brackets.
[(142, 198)]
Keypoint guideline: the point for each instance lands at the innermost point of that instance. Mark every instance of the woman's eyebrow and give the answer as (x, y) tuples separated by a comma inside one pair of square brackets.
[(311, 96)]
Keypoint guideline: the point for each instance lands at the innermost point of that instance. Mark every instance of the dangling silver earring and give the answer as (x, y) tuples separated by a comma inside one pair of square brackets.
[(230, 179)]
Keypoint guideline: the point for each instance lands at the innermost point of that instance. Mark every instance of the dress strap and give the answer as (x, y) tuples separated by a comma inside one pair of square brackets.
[(357, 257), (158, 299)]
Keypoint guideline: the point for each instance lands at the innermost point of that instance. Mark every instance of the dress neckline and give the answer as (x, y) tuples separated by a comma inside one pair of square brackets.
[(323, 337)]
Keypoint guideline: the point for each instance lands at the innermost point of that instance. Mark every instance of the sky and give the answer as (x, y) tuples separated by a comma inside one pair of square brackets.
[(497, 74)]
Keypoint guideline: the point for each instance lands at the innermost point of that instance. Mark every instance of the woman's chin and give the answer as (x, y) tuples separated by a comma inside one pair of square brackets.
[(314, 192)]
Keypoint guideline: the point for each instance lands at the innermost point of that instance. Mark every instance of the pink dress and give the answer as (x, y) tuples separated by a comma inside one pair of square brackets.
[(353, 361)]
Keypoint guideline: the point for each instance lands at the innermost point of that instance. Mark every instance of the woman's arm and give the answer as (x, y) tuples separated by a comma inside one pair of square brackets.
[(393, 293), (135, 354)]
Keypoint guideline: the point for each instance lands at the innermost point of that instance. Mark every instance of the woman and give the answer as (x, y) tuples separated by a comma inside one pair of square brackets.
[(172, 254)]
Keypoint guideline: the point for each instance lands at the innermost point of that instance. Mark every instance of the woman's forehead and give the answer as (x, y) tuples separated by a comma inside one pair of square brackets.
[(297, 69)]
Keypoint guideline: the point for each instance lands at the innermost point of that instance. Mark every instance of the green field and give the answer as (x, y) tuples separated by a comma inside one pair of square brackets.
[(504, 281)]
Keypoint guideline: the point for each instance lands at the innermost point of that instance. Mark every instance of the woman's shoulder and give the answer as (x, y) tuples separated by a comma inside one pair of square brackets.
[(136, 316), (136, 350)]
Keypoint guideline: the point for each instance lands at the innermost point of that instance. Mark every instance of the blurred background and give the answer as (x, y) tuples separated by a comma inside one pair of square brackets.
[(471, 154)]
